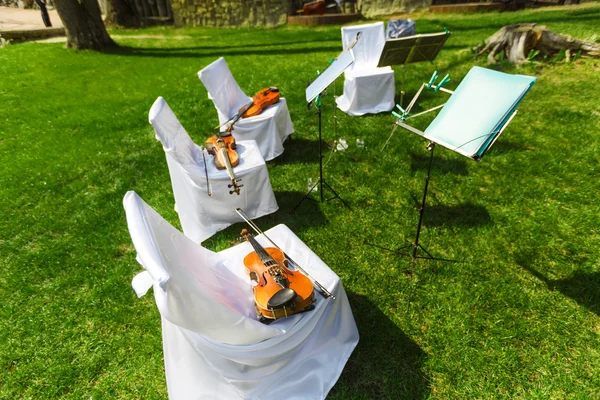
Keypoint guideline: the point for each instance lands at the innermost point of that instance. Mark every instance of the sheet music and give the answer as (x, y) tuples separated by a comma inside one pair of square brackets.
[(329, 75), (410, 49)]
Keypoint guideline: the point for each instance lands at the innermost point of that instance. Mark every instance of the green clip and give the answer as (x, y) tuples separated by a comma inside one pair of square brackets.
[(395, 114), (444, 80), (447, 31), (331, 60), (432, 80), (403, 114)]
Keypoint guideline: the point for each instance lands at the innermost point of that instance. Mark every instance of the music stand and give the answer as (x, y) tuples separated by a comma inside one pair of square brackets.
[(470, 122), (313, 96), (412, 49)]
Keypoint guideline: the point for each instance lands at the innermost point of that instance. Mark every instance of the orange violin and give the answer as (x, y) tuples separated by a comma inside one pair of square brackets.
[(278, 291), (262, 99), (223, 148)]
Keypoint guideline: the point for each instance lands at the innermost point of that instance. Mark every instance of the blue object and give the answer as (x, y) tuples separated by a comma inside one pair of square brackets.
[(478, 110), (398, 28)]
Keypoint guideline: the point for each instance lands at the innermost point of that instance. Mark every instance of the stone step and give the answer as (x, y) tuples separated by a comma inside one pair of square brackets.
[(325, 19)]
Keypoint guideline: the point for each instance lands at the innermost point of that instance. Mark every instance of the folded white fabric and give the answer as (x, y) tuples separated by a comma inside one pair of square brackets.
[(214, 347)]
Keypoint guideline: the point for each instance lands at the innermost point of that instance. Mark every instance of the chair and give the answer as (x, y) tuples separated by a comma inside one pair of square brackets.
[(201, 215), (269, 129), (367, 89), (214, 347)]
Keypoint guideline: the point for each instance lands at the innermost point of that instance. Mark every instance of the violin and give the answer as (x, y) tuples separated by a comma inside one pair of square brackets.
[(278, 291), (223, 148), (262, 99)]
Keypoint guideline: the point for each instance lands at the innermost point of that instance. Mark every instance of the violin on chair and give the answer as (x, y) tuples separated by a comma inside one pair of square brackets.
[(223, 148), (262, 99), (278, 291)]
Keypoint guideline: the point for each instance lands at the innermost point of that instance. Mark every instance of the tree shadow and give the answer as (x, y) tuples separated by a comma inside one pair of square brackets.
[(386, 363), (439, 165), (573, 16), (200, 51), (219, 47), (466, 215), (583, 287)]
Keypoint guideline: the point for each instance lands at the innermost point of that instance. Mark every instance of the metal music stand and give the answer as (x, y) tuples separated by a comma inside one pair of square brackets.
[(313, 97), (470, 122), (412, 49)]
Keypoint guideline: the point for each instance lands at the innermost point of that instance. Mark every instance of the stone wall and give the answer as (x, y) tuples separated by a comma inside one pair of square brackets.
[(267, 13), (270, 13), (374, 8)]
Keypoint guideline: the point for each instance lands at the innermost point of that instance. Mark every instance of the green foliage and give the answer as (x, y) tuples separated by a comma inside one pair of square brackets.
[(562, 54), (532, 54), (518, 317)]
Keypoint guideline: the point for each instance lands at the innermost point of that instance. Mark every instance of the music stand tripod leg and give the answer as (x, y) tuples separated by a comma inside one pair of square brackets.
[(322, 184), (416, 245)]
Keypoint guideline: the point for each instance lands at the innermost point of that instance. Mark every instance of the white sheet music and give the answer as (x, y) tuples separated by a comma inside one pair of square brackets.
[(329, 75)]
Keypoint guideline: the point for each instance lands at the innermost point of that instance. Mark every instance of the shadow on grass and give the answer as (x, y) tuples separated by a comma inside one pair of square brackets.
[(503, 147), (200, 51), (299, 150), (466, 215), (582, 287), (573, 16), (221, 48), (386, 364), (308, 217), (440, 165)]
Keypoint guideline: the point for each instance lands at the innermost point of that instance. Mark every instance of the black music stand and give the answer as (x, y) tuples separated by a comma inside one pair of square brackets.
[(313, 97), (412, 49), (470, 122)]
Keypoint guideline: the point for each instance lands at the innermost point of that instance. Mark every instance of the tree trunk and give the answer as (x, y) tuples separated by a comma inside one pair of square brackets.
[(516, 41), (83, 24), (123, 13)]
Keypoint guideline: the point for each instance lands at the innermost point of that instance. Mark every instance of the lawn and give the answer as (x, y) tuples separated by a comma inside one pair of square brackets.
[(518, 317)]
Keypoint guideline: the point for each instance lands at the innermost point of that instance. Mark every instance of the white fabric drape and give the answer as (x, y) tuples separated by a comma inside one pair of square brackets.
[(201, 215), (269, 129), (214, 347), (367, 89)]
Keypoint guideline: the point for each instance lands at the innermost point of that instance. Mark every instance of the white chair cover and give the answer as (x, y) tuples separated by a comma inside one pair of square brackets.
[(201, 215), (367, 89), (269, 129), (214, 348)]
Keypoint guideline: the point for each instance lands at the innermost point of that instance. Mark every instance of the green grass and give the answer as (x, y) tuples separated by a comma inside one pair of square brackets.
[(517, 318)]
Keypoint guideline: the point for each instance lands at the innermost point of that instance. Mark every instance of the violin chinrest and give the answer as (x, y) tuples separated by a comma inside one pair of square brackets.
[(282, 298)]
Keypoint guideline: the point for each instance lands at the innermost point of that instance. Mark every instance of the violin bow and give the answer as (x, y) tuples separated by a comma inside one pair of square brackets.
[(321, 288), (237, 116), (206, 172)]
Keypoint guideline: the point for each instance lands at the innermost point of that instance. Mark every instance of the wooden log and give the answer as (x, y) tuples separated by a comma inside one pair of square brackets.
[(518, 40)]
